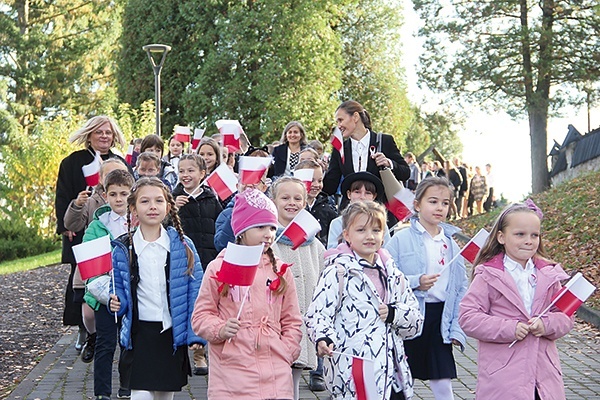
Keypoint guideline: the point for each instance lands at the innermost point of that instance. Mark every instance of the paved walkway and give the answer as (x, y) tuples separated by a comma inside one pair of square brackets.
[(62, 376)]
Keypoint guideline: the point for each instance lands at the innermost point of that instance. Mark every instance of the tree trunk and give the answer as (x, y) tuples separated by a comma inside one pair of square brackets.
[(538, 134)]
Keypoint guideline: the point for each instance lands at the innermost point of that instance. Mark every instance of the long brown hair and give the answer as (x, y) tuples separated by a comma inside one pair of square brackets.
[(131, 201), (492, 247)]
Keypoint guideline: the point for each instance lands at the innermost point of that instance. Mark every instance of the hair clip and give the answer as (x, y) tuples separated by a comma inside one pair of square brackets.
[(533, 207)]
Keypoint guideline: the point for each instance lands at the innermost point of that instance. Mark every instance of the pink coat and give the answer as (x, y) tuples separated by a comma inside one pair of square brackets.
[(489, 312), (256, 363)]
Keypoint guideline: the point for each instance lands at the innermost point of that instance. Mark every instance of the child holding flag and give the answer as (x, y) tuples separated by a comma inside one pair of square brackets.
[(108, 220), (157, 275), (254, 332), (423, 252), (362, 309), (289, 195), (198, 208), (513, 282)]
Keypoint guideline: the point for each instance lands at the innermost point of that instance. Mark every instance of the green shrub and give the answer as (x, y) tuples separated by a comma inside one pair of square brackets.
[(18, 241)]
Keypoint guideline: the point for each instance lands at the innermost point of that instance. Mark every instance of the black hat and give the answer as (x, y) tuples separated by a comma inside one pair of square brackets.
[(363, 176)]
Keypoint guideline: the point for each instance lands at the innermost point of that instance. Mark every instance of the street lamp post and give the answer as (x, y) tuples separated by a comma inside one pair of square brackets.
[(161, 50)]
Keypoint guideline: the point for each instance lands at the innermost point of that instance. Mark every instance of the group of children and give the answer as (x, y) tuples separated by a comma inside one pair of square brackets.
[(394, 300)]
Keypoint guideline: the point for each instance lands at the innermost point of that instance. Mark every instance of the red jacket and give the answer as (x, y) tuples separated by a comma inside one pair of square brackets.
[(489, 312)]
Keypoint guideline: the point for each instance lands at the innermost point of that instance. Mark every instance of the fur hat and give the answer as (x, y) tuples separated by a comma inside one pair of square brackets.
[(252, 208)]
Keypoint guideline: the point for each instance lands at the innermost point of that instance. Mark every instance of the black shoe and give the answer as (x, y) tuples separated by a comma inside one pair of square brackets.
[(102, 397), (201, 371), (317, 383), (124, 393), (87, 352), (81, 337)]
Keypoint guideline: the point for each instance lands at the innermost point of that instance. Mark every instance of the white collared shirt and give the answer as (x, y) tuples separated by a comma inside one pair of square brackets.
[(525, 279), (153, 305), (360, 152), (115, 223), (437, 249)]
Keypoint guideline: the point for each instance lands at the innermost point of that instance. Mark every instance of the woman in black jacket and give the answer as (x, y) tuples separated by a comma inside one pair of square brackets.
[(287, 154)]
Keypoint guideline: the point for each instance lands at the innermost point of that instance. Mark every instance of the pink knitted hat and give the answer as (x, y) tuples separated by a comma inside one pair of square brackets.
[(252, 208)]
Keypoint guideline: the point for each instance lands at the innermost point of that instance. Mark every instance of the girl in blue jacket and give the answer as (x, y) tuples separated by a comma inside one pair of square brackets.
[(423, 253), (157, 278)]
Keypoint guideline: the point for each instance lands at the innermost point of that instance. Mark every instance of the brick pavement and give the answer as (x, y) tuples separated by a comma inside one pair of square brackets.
[(61, 375)]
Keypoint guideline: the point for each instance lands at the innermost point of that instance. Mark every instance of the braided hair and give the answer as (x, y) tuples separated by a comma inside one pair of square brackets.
[(131, 201)]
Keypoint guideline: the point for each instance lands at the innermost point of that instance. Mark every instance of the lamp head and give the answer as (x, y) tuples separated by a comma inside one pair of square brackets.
[(156, 48)]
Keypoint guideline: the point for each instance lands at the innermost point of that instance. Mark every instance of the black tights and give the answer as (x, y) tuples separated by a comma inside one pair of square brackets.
[(397, 396)]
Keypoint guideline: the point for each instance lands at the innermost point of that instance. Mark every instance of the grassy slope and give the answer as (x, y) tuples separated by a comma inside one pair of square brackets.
[(570, 229), (25, 264)]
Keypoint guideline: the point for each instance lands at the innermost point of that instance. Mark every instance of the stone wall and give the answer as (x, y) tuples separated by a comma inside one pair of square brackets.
[(570, 173)]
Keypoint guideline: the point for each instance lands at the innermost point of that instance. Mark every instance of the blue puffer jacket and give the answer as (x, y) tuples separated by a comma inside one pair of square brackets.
[(183, 290), (408, 250)]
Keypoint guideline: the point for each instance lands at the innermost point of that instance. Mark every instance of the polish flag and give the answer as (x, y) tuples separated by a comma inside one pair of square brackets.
[(94, 257), (469, 252), (129, 155), (573, 294), (302, 228), (363, 375), (231, 131), (252, 169), (198, 133), (223, 181), (337, 141), (240, 264), (182, 133), (91, 172), (401, 204), (306, 176)]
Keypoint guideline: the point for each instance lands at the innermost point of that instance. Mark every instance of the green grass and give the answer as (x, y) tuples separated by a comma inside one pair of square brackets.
[(25, 264)]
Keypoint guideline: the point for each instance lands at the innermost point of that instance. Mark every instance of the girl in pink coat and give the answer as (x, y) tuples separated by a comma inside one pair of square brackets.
[(512, 283), (251, 357)]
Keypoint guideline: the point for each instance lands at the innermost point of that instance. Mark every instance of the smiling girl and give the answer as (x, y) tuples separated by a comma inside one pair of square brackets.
[(422, 252), (289, 195)]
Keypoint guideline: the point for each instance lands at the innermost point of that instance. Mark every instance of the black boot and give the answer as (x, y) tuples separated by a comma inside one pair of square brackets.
[(87, 353)]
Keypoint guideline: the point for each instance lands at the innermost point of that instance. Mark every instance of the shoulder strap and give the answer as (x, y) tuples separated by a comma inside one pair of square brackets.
[(378, 142)]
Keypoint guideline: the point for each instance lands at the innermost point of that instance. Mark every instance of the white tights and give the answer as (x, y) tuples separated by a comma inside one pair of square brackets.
[(147, 395), (442, 389), (89, 318), (296, 375)]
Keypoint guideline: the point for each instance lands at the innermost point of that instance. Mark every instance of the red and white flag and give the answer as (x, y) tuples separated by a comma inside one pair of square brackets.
[(182, 133), (231, 131), (573, 294), (91, 171), (240, 264), (129, 155), (402, 204), (223, 181), (94, 257), (252, 169), (302, 228), (337, 141), (198, 134), (363, 375), (470, 251), (306, 176)]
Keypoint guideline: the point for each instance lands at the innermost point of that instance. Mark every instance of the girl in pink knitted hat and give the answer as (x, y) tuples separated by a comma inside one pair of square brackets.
[(251, 355)]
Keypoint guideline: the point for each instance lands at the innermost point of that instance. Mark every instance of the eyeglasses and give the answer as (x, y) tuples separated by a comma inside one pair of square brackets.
[(103, 133)]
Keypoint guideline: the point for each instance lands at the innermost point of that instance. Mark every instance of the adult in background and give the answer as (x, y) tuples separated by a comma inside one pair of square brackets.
[(455, 179), (99, 134), (490, 201), (415, 173), (464, 186), (287, 155), (355, 123)]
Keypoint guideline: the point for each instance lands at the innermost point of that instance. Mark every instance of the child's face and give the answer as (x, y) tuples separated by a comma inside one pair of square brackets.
[(190, 175), (433, 207), (155, 150), (364, 238), (360, 194), (151, 206), (520, 236), (208, 154), (116, 196), (147, 168), (289, 201), (259, 235), (317, 184), (175, 147)]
